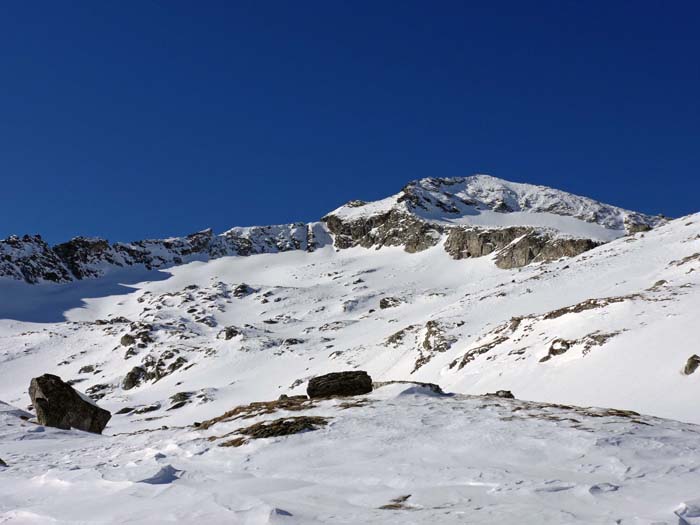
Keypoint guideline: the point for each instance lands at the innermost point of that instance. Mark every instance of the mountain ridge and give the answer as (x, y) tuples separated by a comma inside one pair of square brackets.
[(480, 214)]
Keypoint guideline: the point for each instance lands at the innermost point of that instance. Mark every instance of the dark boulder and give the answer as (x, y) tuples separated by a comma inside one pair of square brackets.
[(229, 332), (692, 364), (389, 302), (127, 340), (505, 394), (58, 405), (352, 383), (133, 378)]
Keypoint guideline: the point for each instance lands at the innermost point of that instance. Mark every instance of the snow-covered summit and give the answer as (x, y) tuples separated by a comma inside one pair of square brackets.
[(474, 216), (489, 202)]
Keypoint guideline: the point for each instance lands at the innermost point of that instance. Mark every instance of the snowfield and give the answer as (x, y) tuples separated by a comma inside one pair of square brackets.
[(406, 456), (614, 327)]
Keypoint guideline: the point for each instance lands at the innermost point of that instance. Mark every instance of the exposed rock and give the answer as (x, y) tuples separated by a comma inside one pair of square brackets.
[(393, 228), (351, 383), (32, 260), (389, 302), (87, 369), (277, 428), (463, 243), (134, 377), (58, 405), (505, 394), (229, 332), (560, 346), (692, 364), (435, 341), (2, 463), (147, 408), (540, 247), (259, 408), (127, 340), (472, 354), (98, 391), (242, 290)]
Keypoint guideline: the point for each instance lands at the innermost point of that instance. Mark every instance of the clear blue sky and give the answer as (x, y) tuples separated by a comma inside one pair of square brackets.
[(147, 119)]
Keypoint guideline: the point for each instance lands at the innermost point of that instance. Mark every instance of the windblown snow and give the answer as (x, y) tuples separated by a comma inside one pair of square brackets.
[(614, 327)]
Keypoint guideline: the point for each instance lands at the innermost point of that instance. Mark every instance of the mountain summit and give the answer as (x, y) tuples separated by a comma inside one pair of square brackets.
[(472, 216)]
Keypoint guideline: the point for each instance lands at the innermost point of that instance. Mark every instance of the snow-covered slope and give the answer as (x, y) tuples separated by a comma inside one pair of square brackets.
[(400, 456), (216, 328), (168, 343), (486, 201)]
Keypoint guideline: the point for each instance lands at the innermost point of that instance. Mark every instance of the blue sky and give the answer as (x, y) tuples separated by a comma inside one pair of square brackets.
[(148, 119)]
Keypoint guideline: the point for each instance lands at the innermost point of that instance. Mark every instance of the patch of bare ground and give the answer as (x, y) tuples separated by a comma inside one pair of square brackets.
[(259, 408), (276, 428)]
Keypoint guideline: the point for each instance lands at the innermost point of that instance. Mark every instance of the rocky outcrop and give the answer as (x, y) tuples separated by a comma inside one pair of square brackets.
[(32, 260), (388, 229), (353, 383), (389, 302), (134, 378), (431, 209), (58, 405), (541, 247), (504, 394), (516, 246)]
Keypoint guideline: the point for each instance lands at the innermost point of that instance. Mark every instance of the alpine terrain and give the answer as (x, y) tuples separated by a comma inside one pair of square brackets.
[(531, 356)]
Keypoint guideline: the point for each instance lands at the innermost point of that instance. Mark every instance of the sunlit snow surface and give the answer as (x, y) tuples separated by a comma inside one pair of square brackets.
[(489, 202), (461, 459), (450, 459)]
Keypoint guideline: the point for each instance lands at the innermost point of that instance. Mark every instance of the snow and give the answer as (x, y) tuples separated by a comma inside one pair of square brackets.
[(489, 202), (464, 324), (450, 458)]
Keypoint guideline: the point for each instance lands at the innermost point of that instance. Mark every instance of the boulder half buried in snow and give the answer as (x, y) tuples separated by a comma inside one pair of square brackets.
[(353, 383), (58, 405)]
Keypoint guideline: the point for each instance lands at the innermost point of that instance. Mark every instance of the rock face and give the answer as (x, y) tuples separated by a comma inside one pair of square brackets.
[(58, 405), (32, 260), (353, 383)]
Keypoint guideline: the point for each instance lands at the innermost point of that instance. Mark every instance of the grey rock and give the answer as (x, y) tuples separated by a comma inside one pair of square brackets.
[(505, 394), (692, 364), (229, 332), (351, 383), (134, 377), (127, 340), (389, 302), (58, 405)]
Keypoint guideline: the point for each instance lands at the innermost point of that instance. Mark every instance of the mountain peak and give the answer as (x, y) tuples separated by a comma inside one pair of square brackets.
[(486, 201)]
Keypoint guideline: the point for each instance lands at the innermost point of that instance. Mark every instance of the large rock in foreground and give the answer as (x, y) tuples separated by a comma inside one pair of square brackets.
[(58, 405), (353, 383)]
